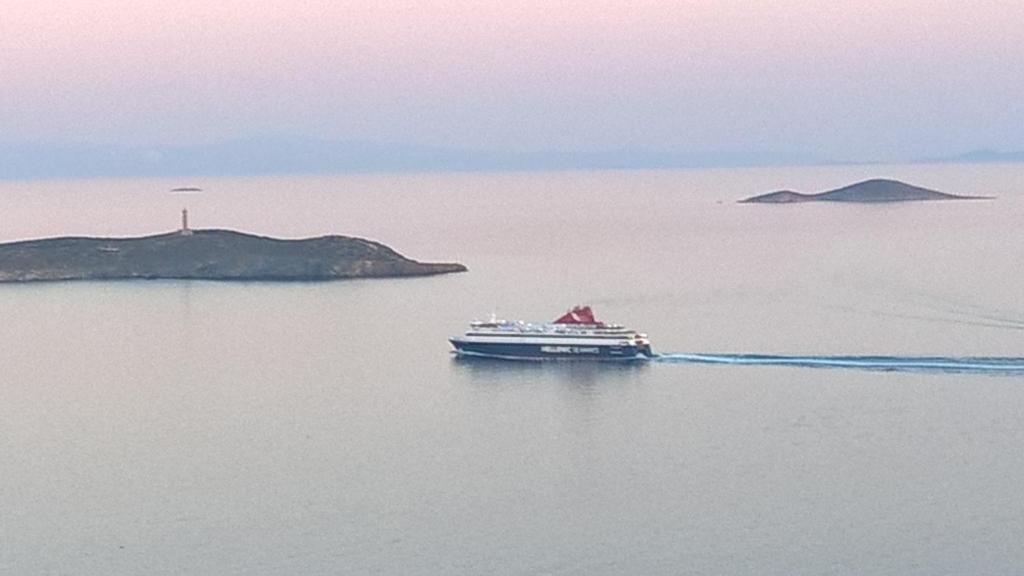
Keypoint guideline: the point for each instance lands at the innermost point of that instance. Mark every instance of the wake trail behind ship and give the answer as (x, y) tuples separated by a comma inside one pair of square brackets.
[(1004, 366)]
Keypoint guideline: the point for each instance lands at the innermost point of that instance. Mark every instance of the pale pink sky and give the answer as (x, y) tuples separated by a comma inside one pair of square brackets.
[(868, 77)]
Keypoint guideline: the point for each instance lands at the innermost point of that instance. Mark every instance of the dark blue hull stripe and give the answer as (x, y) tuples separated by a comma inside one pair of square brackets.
[(542, 351)]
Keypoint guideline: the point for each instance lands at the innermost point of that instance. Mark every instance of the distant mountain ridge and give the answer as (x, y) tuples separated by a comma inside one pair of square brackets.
[(285, 155), (983, 156), (869, 191)]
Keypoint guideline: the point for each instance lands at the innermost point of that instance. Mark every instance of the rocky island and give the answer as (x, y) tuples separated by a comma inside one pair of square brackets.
[(868, 191), (207, 255)]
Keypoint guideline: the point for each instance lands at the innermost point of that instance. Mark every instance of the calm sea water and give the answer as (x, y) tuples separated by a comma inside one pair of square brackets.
[(218, 428)]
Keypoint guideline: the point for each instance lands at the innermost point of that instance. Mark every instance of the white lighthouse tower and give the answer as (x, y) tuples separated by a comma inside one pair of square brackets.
[(185, 230)]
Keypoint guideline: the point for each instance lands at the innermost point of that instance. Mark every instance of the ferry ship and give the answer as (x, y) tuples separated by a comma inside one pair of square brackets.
[(575, 335)]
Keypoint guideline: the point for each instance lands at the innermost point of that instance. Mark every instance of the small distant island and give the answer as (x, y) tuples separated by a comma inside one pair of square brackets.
[(207, 255), (868, 191)]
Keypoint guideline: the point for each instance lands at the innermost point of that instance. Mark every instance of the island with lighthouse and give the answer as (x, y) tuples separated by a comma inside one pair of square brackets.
[(207, 254)]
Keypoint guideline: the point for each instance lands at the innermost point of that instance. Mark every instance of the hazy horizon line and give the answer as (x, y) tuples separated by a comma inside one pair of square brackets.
[(282, 156)]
